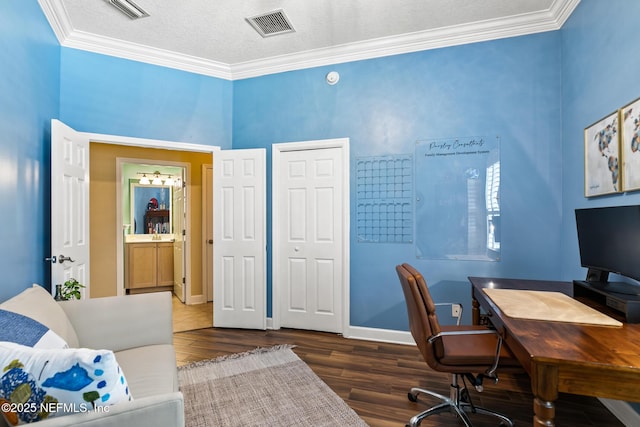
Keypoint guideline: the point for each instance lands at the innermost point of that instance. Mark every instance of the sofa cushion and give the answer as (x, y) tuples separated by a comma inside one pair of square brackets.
[(64, 380), (151, 370), (38, 304), (24, 330)]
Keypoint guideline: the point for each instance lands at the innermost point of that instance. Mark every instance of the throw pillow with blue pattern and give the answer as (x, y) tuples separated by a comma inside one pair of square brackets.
[(39, 383), (24, 330)]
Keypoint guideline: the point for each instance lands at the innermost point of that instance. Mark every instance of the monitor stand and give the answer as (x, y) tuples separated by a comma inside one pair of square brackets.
[(617, 287), (599, 279), (619, 296)]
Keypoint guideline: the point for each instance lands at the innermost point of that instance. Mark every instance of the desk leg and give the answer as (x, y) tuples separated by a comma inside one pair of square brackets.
[(544, 382), (475, 311)]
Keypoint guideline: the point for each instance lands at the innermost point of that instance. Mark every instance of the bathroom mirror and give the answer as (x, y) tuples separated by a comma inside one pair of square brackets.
[(150, 208)]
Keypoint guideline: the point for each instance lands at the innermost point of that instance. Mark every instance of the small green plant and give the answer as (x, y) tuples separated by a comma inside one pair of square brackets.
[(71, 289)]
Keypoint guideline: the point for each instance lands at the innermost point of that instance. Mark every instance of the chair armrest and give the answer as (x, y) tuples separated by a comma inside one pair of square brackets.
[(120, 323), (432, 338), (491, 372)]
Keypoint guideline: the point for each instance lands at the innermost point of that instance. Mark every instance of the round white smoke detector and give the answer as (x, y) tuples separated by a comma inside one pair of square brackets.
[(333, 77)]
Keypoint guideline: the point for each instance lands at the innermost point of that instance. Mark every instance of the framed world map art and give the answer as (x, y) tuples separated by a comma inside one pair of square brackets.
[(602, 157), (630, 145)]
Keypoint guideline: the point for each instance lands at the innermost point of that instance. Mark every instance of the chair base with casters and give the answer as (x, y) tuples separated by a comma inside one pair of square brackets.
[(458, 403)]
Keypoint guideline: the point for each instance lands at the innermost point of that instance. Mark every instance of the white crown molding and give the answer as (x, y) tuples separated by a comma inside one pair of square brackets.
[(60, 23), (58, 18), (407, 43), (562, 10), (524, 24), (150, 55)]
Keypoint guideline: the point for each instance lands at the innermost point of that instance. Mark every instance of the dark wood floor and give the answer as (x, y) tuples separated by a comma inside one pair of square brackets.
[(374, 378)]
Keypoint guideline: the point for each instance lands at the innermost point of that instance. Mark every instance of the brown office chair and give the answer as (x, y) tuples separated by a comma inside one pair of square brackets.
[(472, 352)]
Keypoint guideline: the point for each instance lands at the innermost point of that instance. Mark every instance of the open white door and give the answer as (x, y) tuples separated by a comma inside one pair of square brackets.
[(207, 229), (179, 231), (69, 206), (239, 230)]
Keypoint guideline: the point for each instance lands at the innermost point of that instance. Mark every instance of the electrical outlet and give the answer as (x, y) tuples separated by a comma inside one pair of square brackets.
[(456, 309)]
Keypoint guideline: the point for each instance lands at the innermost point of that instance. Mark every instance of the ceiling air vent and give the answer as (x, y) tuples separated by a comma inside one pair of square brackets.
[(271, 23), (129, 8)]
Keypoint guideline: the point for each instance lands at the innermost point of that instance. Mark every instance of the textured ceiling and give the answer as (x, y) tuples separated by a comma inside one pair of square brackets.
[(213, 36)]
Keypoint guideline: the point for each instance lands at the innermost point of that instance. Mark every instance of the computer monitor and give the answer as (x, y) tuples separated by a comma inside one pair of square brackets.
[(609, 242)]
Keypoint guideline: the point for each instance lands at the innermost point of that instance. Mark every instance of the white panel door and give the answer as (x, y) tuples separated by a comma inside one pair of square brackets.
[(69, 206), (207, 229), (310, 253), (239, 236), (179, 197)]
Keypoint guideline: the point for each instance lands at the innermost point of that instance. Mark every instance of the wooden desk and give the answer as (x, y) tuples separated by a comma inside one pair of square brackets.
[(600, 361)]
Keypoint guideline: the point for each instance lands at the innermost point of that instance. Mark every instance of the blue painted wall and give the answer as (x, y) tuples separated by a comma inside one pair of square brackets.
[(102, 94), (600, 64), (536, 92), (510, 88), (29, 88)]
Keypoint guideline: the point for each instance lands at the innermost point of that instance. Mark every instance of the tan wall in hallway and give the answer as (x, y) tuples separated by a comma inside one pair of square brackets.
[(103, 215)]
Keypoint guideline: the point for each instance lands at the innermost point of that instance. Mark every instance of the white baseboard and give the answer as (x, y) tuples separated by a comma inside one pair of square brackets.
[(623, 411), (380, 335), (197, 299), (371, 334)]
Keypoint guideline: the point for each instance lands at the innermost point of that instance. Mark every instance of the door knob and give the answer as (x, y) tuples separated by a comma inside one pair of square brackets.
[(297, 249), (51, 259), (210, 241), (63, 258)]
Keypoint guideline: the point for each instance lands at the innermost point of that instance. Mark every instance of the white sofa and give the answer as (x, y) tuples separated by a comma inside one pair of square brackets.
[(138, 328)]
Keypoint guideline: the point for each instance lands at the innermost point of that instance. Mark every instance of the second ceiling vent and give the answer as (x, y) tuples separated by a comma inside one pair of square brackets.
[(271, 23)]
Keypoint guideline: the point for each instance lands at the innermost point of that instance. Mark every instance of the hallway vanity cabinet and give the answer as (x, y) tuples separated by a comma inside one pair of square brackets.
[(148, 266)]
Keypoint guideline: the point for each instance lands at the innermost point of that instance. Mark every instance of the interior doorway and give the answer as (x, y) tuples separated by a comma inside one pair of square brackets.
[(107, 234), (155, 212), (101, 217)]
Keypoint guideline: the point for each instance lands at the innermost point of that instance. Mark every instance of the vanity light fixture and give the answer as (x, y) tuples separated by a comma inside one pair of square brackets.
[(156, 179)]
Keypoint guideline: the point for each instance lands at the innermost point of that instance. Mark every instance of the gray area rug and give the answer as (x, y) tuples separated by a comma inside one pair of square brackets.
[(264, 387)]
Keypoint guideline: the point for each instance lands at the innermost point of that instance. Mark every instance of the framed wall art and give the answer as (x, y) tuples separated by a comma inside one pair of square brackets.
[(602, 157), (630, 145)]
